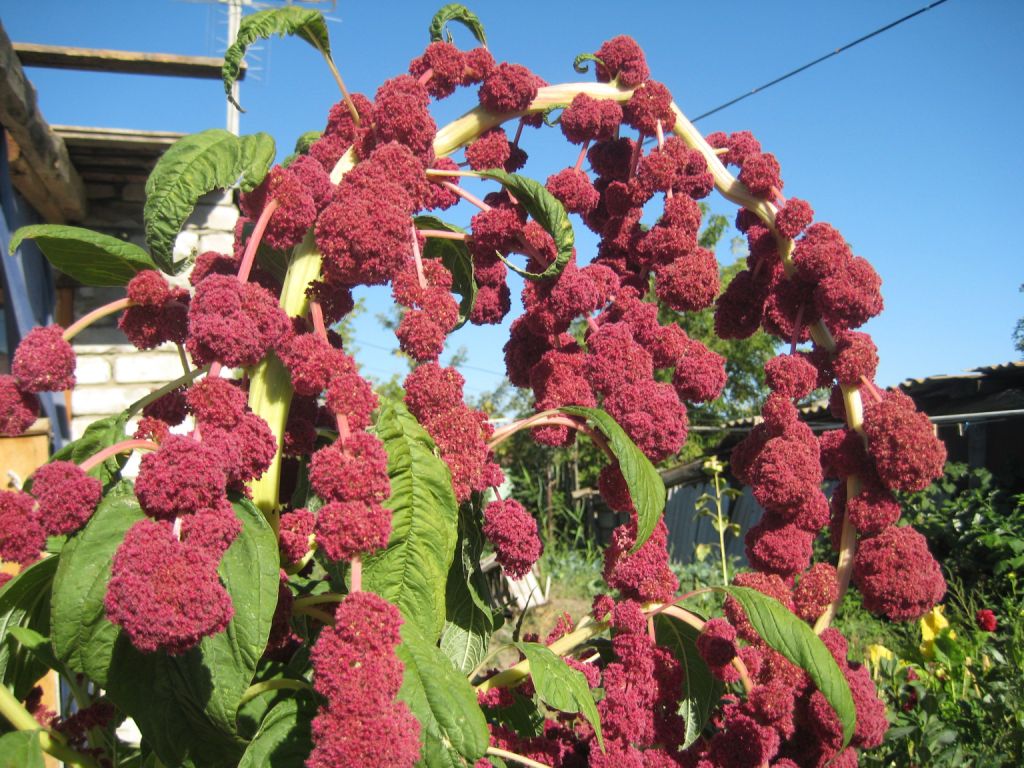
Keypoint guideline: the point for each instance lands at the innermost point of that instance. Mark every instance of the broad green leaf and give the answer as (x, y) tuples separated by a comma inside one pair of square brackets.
[(290, 20), (456, 258), (82, 637), (469, 620), (36, 644), (187, 706), (191, 167), (546, 211), (24, 602), (89, 257), (412, 571), (794, 639), (101, 434), (701, 690), (458, 13), (560, 686), (21, 749), (453, 728), (646, 487), (284, 739), (306, 140)]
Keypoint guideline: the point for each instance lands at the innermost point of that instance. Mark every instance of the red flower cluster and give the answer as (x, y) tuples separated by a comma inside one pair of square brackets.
[(44, 361), (357, 672), (434, 396), (159, 313), (513, 532), (164, 593)]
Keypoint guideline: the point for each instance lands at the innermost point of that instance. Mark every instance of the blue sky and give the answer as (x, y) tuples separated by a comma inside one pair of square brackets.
[(909, 144)]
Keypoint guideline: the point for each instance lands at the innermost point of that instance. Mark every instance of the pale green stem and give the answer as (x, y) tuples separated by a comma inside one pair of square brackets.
[(326, 597), (280, 684), (515, 758), (587, 629), (16, 714), (721, 529), (156, 394)]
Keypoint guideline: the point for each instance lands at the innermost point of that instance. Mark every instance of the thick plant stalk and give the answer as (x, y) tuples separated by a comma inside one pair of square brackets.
[(16, 714)]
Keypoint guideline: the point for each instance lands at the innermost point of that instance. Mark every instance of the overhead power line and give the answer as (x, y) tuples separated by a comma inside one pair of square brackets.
[(818, 60)]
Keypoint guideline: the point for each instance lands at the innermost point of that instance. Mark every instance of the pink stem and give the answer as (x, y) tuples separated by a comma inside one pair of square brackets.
[(469, 197), (519, 132), (638, 150), (418, 258), (797, 325), (425, 77), (124, 446), (592, 325), (249, 257), (320, 328), (698, 623), (100, 312), (871, 388), (441, 234), (355, 574), (582, 156)]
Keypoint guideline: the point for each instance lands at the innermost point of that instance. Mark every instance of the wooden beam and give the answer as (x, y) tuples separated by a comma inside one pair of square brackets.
[(131, 62), (59, 187)]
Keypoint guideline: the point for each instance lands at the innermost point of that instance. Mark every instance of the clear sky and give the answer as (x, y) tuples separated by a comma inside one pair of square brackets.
[(910, 143)]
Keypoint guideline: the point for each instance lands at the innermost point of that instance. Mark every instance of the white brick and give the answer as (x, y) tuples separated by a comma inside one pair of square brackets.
[(184, 244), (222, 242), (102, 401), (147, 367), (222, 217), (91, 370), (78, 425)]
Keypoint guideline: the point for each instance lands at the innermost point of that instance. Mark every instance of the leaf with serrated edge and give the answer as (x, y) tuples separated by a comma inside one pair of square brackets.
[(191, 167), (304, 23), (794, 639), (89, 257), (453, 727), (560, 686), (462, 15), (701, 690), (411, 572), (646, 488), (547, 211)]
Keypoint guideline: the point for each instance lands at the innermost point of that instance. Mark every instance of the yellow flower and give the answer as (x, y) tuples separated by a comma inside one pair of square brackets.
[(932, 624), (878, 652)]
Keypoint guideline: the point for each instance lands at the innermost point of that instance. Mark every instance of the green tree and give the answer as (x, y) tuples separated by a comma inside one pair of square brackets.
[(1018, 332)]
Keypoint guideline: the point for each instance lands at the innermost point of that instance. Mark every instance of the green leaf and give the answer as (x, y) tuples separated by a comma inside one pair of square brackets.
[(290, 20), (82, 637), (412, 571), (21, 749), (560, 686), (701, 689), (580, 62), (546, 211), (646, 488), (453, 728), (24, 602), (187, 707), (284, 739), (101, 434), (455, 256), (89, 257), (469, 620), (794, 639), (38, 645), (191, 167), (460, 14), (306, 140)]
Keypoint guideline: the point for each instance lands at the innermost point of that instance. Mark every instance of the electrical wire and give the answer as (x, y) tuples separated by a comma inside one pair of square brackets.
[(818, 60)]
